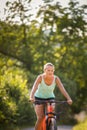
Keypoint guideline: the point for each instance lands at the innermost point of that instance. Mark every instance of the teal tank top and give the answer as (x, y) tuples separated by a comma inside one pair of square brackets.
[(45, 91)]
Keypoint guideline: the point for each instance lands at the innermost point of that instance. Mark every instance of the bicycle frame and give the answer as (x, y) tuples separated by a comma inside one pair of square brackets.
[(50, 115)]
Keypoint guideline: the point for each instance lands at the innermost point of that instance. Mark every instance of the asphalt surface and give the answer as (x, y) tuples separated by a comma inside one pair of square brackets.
[(59, 128)]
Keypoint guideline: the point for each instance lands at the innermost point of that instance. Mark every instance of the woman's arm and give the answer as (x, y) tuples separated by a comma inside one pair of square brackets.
[(35, 87), (63, 91)]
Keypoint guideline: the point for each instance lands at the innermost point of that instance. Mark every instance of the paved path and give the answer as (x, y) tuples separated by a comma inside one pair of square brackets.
[(65, 128), (59, 128)]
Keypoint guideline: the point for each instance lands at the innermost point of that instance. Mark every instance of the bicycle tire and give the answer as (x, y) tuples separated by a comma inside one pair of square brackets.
[(52, 125)]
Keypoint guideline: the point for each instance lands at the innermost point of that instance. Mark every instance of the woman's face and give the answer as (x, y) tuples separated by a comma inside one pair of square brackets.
[(49, 70)]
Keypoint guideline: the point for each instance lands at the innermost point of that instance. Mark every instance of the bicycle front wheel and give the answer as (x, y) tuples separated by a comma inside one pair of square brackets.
[(52, 125)]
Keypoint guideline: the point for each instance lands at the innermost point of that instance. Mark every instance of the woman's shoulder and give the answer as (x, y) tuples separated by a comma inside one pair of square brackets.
[(40, 77), (56, 77)]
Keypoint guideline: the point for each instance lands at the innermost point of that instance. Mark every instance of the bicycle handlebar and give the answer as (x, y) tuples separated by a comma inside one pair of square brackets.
[(48, 101)]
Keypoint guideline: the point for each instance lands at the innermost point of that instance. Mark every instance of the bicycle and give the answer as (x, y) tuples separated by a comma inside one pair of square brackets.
[(50, 119)]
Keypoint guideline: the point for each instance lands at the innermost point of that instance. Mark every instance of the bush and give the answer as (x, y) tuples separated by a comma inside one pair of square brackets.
[(81, 126)]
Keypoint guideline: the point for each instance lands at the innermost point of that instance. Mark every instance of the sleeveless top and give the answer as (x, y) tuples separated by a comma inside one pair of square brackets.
[(45, 91)]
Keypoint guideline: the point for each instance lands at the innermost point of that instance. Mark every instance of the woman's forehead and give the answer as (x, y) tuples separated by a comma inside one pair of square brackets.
[(49, 67)]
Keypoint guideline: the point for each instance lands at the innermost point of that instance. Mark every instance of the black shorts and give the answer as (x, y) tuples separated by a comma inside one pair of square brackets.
[(42, 99)]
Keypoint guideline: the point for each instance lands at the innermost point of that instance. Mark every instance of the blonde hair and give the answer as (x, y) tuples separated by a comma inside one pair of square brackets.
[(48, 64)]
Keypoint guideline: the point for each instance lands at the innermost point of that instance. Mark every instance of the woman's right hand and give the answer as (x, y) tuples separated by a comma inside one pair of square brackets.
[(31, 99)]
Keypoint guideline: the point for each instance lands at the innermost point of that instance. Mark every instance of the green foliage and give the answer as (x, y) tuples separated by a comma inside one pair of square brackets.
[(15, 44), (13, 95), (81, 126)]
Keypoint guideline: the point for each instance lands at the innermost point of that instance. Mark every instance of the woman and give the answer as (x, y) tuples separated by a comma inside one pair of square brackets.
[(43, 89)]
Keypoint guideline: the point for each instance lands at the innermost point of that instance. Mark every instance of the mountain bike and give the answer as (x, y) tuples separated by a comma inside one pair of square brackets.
[(50, 119)]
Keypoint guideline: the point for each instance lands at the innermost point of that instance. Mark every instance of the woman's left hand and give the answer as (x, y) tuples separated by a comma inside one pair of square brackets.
[(69, 101)]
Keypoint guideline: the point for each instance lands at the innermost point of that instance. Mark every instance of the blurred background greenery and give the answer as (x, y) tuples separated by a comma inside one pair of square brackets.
[(57, 34)]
